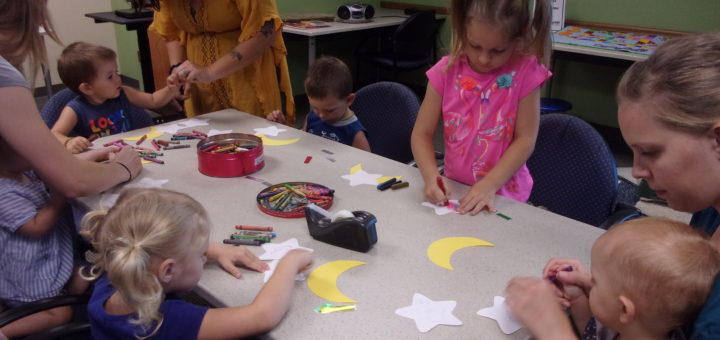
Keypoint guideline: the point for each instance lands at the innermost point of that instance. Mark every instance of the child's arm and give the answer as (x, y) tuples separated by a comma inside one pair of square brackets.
[(361, 142), (227, 256), (572, 283), (482, 193), (153, 100), (64, 124), (45, 218), (533, 302), (268, 308), (422, 144)]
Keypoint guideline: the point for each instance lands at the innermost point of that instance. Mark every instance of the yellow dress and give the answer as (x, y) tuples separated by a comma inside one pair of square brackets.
[(216, 28)]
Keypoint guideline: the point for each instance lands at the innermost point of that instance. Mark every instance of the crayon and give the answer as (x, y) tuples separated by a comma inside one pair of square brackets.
[(155, 145), (120, 141), (143, 149), (211, 147), (307, 159), (400, 185), (256, 238), (142, 139), (503, 216), (242, 242), (294, 191), (441, 184), (256, 233), (252, 227), (386, 185), (176, 147), (553, 278), (327, 152), (154, 160)]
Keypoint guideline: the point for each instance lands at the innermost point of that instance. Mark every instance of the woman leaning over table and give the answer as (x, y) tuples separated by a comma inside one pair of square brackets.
[(231, 51), (22, 131), (669, 115)]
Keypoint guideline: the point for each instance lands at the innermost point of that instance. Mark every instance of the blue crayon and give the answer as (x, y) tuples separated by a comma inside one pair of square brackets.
[(387, 184)]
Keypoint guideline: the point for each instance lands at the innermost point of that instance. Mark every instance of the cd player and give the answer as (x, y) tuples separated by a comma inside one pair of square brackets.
[(355, 12)]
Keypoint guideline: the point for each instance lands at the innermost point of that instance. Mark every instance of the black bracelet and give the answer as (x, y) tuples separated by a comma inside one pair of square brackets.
[(173, 67), (128, 171)]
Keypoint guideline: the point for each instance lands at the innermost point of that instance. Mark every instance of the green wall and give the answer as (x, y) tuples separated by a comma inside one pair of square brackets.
[(128, 53)]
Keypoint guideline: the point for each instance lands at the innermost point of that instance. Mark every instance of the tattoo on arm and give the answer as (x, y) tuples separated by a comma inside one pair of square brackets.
[(236, 55), (267, 29)]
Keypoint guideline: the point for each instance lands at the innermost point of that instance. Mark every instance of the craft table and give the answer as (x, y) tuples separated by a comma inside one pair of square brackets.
[(397, 266)]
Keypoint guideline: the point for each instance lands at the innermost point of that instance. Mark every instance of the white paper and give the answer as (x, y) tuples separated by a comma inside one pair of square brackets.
[(500, 312), (441, 209), (269, 131), (428, 313), (362, 177)]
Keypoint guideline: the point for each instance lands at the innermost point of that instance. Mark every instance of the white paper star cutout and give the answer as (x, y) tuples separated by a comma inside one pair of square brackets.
[(269, 131), (362, 177), (273, 264), (275, 251), (500, 312), (214, 132), (428, 313), (183, 124), (108, 199), (443, 210)]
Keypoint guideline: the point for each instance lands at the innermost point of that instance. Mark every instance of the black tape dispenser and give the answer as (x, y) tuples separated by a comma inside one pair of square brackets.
[(355, 233)]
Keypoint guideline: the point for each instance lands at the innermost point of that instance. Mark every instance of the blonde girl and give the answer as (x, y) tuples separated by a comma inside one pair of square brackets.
[(154, 242), (487, 93)]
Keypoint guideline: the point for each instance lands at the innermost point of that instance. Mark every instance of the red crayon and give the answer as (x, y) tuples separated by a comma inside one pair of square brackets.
[(155, 145), (441, 184), (119, 141), (307, 159), (250, 227), (142, 139), (93, 137)]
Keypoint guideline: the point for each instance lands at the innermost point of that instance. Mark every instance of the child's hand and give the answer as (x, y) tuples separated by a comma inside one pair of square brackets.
[(434, 194), (302, 259), (571, 280), (77, 144), (188, 72), (276, 116), (228, 256), (481, 196), (97, 155), (533, 302)]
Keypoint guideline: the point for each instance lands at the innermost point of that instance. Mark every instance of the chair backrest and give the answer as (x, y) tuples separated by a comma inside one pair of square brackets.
[(51, 110), (388, 111), (416, 35), (573, 170)]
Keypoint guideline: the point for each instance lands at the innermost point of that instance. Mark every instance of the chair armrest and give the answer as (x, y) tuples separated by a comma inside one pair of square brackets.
[(19, 312)]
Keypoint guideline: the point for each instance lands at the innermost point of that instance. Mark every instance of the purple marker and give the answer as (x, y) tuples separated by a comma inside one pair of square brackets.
[(553, 278)]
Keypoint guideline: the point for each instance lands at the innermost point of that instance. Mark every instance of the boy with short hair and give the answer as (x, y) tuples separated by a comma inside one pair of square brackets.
[(649, 276), (329, 86), (103, 106)]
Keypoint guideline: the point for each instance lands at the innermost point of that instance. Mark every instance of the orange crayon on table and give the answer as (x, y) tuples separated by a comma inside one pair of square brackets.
[(142, 139), (251, 227)]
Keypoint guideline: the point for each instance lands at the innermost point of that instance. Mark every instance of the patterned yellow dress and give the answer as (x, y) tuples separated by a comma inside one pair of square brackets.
[(209, 33)]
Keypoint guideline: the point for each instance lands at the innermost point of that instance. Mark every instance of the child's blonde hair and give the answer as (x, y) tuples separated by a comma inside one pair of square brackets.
[(19, 24), (144, 223), (682, 78), (666, 267), (514, 17)]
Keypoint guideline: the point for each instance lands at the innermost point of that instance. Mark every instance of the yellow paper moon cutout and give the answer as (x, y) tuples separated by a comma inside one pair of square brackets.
[(355, 169), (323, 280), (440, 251), (153, 133), (276, 142), (358, 167)]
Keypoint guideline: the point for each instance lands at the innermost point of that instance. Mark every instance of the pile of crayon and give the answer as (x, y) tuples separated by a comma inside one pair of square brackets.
[(237, 146), (293, 198), (149, 154), (250, 235)]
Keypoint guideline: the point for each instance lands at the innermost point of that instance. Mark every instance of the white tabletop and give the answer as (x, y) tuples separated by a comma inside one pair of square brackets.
[(397, 266), (383, 18)]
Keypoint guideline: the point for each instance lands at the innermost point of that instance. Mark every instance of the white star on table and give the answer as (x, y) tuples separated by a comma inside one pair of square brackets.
[(273, 264), (214, 132), (269, 131), (362, 177), (108, 199), (501, 313), (183, 124), (428, 313), (443, 209), (275, 251)]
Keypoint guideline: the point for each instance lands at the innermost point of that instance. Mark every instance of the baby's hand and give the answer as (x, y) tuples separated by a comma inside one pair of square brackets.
[(276, 116), (481, 196), (302, 259), (77, 144)]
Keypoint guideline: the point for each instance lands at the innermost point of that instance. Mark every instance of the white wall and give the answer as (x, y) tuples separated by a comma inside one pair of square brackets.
[(72, 25)]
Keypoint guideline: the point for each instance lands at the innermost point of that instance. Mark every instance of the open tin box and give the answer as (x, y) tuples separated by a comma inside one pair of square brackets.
[(245, 158)]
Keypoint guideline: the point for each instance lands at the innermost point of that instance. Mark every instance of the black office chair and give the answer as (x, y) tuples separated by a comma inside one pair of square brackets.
[(388, 111), (575, 174), (409, 48), (77, 329)]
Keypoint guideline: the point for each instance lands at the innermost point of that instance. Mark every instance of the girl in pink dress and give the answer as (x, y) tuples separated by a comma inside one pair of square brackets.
[(487, 92)]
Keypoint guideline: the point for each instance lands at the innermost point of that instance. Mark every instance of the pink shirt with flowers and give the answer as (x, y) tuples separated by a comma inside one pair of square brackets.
[(479, 112)]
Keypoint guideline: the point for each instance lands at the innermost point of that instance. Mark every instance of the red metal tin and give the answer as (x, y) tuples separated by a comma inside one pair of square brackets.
[(232, 164)]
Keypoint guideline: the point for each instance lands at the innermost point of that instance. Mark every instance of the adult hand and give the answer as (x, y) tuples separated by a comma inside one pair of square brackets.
[(128, 157), (188, 72), (481, 196), (533, 302), (77, 144), (276, 116), (228, 256)]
